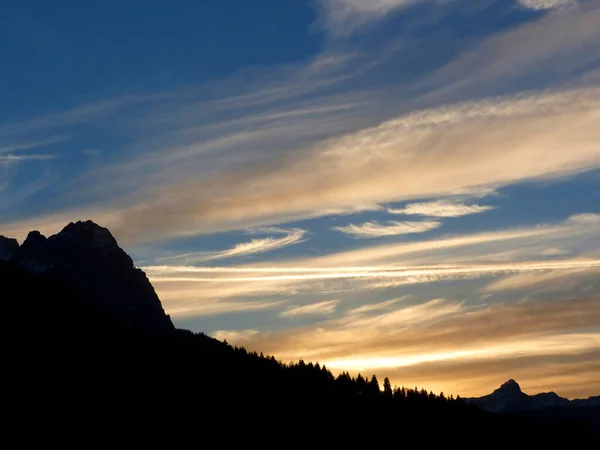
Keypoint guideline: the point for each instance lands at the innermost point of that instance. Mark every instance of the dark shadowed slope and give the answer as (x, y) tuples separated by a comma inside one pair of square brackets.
[(76, 368)]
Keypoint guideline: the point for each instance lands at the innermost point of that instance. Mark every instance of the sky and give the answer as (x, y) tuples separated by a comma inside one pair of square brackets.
[(406, 188)]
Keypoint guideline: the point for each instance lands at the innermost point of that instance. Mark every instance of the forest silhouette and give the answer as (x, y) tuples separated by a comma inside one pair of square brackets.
[(74, 370)]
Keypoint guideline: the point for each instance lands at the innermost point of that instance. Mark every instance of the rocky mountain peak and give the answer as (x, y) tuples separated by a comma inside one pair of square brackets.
[(509, 398), (511, 386), (8, 247), (34, 255), (91, 233), (86, 257)]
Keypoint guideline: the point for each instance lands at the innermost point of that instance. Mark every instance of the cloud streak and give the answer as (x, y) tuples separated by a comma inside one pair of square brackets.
[(390, 228), (440, 208), (375, 307), (321, 308), (253, 247), (216, 308), (408, 275), (13, 147), (543, 5), (264, 159), (534, 347), (344, 17), (17, 158), (421, 155), (375, 269), (551, 279)]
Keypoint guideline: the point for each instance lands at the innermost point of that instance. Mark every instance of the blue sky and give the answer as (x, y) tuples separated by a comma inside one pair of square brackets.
[(400, 187)]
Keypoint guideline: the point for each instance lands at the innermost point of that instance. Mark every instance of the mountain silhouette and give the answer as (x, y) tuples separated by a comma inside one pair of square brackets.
[(86, 257), (510, 398), (8, 247), (89, 355), (547, 406)]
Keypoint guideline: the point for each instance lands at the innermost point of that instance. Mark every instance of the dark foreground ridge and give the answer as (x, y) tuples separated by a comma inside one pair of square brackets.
[(89, 356)]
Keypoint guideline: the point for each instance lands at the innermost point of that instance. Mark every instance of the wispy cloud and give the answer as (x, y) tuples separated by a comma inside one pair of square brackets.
[(435, 250), (218, 174), (344, 17), (421, 155), (17, 158), (398, 257), (389, 228), (553, 251), (552, 279), (589, 219), (82, 114), (440, 208), (322, 308), (522, 56), (335, 334), (406, 275), (253, 247), (375, 307), (548, 4), (197, 309), (235, 336), (13, 147), (532, 347), (371, 268)]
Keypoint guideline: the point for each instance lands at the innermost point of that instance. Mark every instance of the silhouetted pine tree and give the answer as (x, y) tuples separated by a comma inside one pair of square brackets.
[(373, 387), (387, 388)]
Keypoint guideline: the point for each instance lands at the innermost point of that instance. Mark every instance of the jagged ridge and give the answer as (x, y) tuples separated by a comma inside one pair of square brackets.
[(510, 398), (8, 247), (86, 257)]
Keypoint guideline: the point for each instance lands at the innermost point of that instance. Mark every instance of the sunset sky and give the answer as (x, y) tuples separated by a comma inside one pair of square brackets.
[(402, 187)]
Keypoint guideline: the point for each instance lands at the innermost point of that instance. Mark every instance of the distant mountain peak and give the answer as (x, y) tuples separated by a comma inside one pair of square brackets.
[(510, 398), (510, 386)]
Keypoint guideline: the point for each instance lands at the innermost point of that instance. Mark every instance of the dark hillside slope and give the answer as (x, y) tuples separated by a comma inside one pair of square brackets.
[(74, 369)]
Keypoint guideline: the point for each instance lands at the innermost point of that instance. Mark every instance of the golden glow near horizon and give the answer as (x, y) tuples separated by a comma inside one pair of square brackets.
[(410, 340), (534, 347)]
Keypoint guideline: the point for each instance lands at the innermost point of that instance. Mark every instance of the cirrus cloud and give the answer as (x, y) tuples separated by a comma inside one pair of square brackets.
[(320, 308), (253, 247), (440, 208), (390, 228), (542, 5), (343, 17), (422, 154)]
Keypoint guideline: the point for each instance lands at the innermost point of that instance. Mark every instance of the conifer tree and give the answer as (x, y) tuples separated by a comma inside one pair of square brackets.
[(387, 387)]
